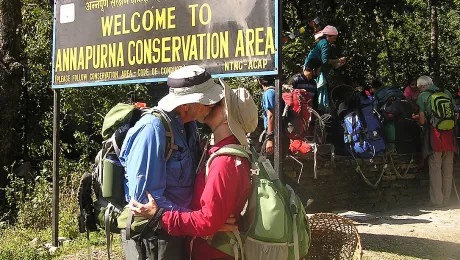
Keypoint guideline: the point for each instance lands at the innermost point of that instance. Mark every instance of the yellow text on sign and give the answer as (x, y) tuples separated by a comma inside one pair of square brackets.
[(255, 42), (158, 19)]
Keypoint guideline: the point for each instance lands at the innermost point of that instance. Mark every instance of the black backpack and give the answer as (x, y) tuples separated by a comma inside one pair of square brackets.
[(390, 102)]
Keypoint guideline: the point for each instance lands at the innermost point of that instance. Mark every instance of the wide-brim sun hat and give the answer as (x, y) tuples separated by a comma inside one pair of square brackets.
[(242, 113), (191, 84)]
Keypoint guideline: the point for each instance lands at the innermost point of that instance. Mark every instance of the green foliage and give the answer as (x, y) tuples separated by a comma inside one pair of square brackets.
[(71, 173), (15, 192), (449, 49), (14, 244), (34, 211), (32, 200), (29, 201), (249, 83), (38, 97), (388, 40)]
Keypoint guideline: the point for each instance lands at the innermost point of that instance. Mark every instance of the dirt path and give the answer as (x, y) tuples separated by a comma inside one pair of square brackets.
[(403, 234), (413, 233)]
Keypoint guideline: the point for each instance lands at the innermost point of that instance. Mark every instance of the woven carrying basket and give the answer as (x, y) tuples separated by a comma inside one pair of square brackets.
[(333, 237)]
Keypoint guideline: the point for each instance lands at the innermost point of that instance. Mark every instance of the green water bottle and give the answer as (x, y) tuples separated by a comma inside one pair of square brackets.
[(113, 179)]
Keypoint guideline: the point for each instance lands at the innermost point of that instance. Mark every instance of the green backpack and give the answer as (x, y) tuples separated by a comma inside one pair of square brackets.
[(276, 224), (442, 110), (101, 191)]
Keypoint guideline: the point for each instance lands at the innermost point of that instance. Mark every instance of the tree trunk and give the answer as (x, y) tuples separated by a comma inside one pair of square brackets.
[(434, 57), (11, 70), (381, 31), (391, 62)]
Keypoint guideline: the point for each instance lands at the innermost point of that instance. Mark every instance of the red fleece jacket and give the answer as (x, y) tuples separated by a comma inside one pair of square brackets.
[(224, 193)]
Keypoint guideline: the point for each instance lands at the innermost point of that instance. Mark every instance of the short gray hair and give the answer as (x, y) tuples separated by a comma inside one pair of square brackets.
[(424, 81)]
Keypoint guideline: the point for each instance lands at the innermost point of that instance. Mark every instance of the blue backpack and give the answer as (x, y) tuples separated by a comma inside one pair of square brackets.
[(362, 130)]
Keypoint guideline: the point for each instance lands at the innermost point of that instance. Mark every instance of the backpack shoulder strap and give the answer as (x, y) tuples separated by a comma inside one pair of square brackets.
[(359, 111), (230, 149), (85, 201), (111, 142), (166, 122), (427, 101)]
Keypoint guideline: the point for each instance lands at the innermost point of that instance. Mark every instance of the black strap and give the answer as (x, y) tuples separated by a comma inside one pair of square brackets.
[(269, 136), (153, 224)]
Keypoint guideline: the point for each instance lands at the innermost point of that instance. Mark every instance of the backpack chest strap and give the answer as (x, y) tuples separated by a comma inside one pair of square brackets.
[(230, 149)]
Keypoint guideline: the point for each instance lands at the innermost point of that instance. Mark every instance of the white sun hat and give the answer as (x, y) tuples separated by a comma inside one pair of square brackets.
[(191, 84)]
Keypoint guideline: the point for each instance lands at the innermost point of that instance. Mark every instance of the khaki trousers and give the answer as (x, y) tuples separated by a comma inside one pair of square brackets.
[(441, 166)]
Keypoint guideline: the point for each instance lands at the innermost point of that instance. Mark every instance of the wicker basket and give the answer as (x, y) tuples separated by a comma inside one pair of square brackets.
[(333, 237)]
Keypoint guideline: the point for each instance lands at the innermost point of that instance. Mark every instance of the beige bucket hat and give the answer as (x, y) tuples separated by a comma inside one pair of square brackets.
[(242, 114)]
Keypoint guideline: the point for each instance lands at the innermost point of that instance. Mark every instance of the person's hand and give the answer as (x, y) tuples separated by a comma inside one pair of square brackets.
[(229, 225), (269, 147), (414, 116), (339, 62), (287, 88), (145, 210)]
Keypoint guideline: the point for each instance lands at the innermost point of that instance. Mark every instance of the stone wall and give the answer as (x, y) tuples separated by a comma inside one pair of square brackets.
[(339, 187)]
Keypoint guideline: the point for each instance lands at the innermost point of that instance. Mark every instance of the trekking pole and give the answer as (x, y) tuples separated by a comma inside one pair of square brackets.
[(455, 189), (301, 167)]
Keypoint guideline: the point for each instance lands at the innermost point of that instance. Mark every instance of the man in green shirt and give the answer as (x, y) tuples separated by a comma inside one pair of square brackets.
[(438, 145)]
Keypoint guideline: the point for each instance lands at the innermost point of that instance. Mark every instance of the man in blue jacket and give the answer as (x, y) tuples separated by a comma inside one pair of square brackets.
[(268, 106), (192, 95)]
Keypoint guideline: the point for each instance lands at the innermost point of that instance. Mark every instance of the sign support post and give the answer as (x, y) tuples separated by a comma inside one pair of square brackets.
[(56, 152), (279, 156)]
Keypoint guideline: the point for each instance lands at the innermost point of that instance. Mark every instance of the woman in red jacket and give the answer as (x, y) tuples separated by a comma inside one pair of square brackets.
[(224, 192)]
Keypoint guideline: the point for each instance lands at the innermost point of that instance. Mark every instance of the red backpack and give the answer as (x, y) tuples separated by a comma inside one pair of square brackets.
[(296, 115)]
